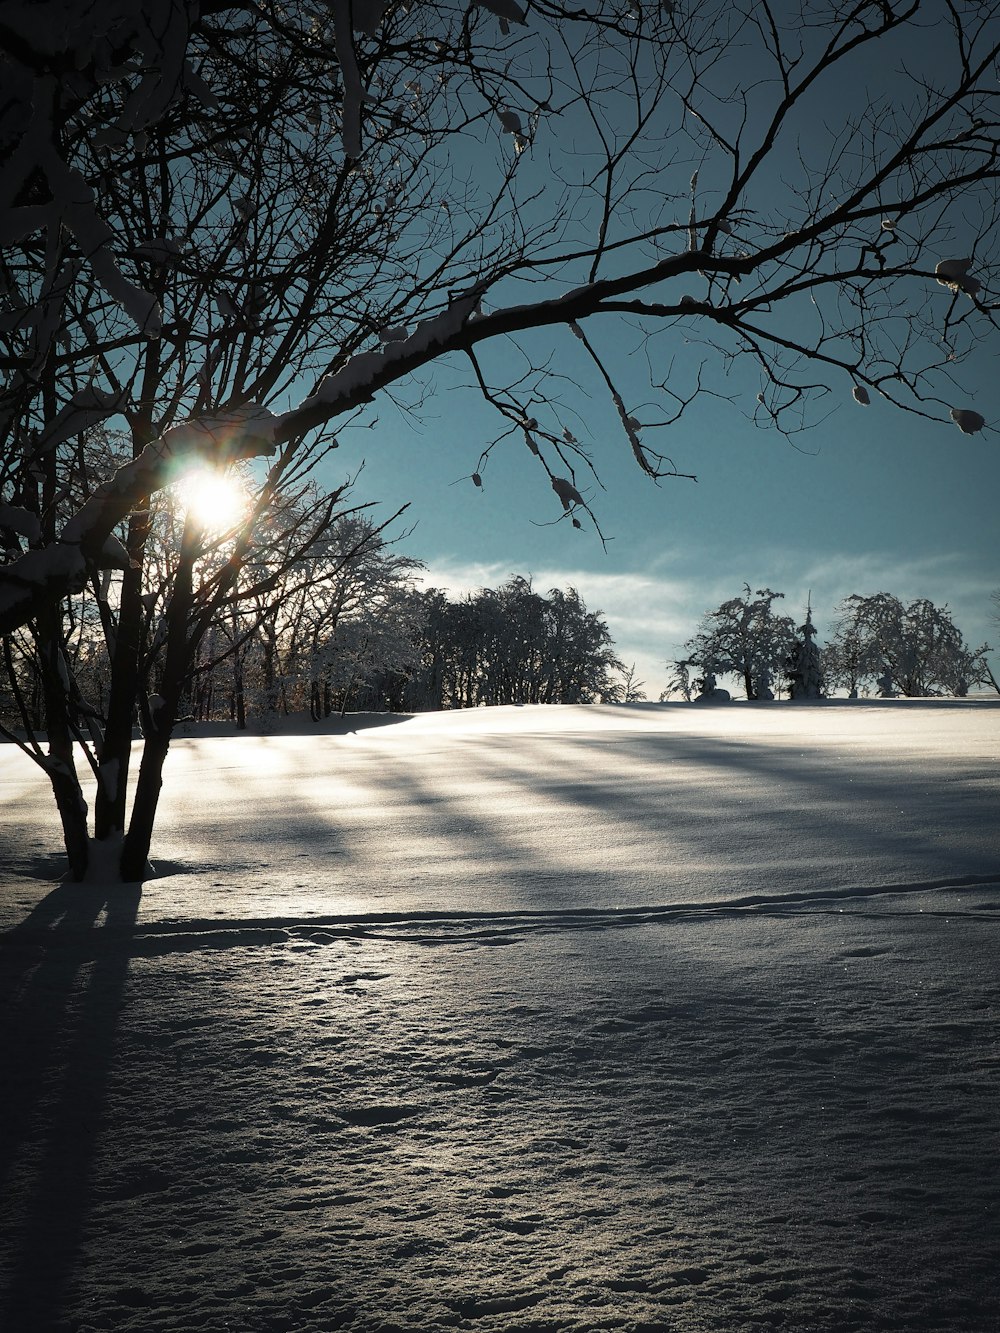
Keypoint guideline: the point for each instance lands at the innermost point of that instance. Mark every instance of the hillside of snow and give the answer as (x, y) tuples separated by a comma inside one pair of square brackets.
[(645, 1018)]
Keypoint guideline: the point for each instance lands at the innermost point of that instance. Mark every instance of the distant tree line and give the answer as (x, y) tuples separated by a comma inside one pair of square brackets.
[(879, 646), (325, 616), (510, 645), (408, 649)]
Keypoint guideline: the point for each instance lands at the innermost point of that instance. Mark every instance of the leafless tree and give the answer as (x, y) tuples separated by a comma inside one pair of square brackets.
[(207, 208), (914, 650), (743, 637), (630, 690)]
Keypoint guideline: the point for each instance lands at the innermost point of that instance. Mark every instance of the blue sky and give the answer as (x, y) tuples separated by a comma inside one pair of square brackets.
[(867, 499)]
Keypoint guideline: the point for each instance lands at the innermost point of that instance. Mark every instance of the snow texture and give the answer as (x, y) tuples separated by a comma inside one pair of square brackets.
[(952, 269), (19, 520), (85, 409), (114, 555), (518, 1020), (55, 566), (954, 273), (505, 10), (245, 432), (162, 250), (353, 88), (147, 38), (567, 492), (366, 368)]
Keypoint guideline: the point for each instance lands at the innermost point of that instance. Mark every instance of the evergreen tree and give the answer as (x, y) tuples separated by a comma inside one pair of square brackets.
[(803, 669)]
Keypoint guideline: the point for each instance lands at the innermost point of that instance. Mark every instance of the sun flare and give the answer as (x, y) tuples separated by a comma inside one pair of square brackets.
[(215, 501)]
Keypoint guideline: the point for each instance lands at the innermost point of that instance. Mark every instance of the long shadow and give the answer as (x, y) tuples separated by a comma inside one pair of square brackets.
[(62, 994), (298, 725), (846, 793), (860, 812)]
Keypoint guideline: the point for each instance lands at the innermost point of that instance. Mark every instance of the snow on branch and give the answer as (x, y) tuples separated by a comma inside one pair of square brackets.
[(368, 371), (85, 409), (108, 42), (21, 521), (954, 274), (245, 432), (505, 10), (349, 17), (967, 420), (36, 576), (462, 325), (353, 90)]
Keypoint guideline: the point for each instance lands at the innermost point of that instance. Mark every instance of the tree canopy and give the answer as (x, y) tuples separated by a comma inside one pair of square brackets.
[(744, 637), (878, 643), (914, 650), (511, 645)]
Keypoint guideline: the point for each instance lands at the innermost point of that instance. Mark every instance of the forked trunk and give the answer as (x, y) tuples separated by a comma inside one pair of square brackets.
[(177, 661), (72, 814), (138, 840), (62, 767), (116, 751)]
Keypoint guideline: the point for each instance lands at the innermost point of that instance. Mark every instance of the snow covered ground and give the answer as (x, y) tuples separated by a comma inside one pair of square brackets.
[(645, 1018)]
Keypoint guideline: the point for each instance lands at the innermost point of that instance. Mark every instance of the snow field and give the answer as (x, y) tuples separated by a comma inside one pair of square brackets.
[(559, 808), (498, 1099)]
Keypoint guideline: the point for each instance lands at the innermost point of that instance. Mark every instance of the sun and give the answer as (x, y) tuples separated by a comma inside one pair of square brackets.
[(214, 500)]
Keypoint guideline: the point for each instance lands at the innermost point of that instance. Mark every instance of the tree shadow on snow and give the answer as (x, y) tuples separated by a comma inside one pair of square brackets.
[(294, 724), (62, 976), (47, 866)]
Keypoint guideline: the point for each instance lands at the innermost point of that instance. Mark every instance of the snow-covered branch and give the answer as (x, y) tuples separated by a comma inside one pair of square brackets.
[(41, 576)]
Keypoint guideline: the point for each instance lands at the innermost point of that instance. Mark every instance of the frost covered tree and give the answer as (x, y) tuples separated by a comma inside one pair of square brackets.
[(678, 682), (214, 586), (511, 645), (803, 668), (370, 635), (851, 657), (278, 640), (630, 690), (914, 650), (743, 637), (230, 228)]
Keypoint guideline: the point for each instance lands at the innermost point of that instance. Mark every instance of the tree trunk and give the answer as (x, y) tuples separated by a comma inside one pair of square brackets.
[(62, 768), (109, 807), (135, 852), (240, 692), (177, 662), (69, 798), (269, 668)]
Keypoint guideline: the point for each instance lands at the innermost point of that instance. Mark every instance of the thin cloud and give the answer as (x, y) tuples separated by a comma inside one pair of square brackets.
[(646, 611), (652, 611)]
